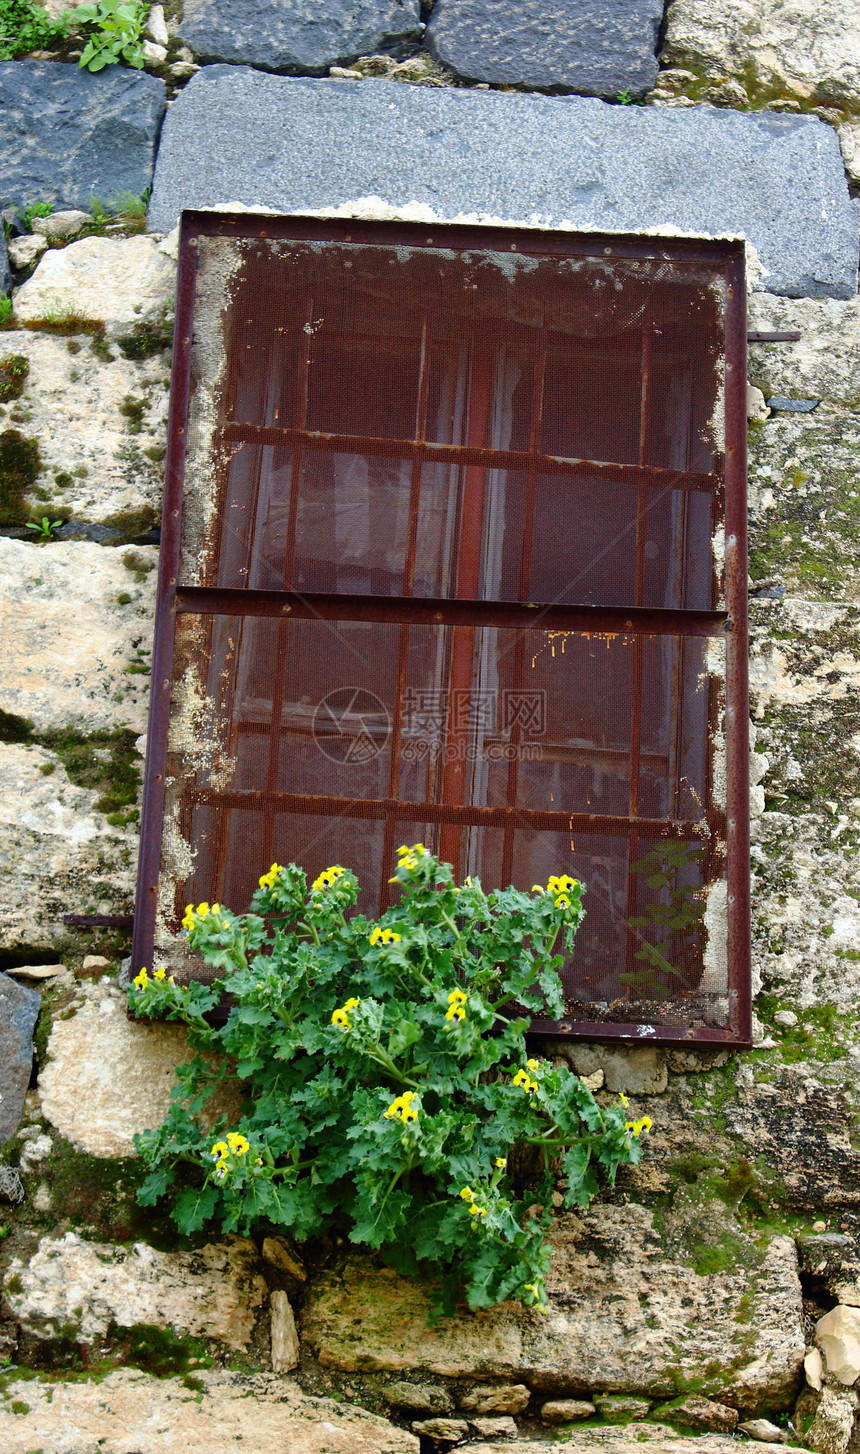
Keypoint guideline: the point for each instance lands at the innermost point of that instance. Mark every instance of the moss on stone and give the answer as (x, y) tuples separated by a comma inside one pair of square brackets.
[(133, 523), (14, 368), (146, 339), (20, 466)]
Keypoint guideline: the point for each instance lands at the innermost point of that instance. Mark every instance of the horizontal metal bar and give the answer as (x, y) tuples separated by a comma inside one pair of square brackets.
[(371, 446), (636, 1033), (437, 611), (99, 921), (253, 800), (463, 236), (790, 335)]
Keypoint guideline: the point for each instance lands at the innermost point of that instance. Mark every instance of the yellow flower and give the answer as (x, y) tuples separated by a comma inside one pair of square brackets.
[(623, 1099), (384, 936), (142, 979), (220, 1150), (562, 902), (352, 1004), (408, 858), (524, 1079), (160, 973), (188, 920), (327, 878), (530, 1287), (237, 1143), (501, 1162), (637, 1127), (456, 1012), (341, 1019), (401, 1109), (477, 1211), (531, 1065), (467, 1194), (268, 879), (221, 1170), (456, 997), (171, 980), (202, 911)]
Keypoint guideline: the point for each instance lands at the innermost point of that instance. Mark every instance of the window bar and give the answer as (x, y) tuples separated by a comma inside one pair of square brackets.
[(636, 674), (468, 574), (283, 637), (535, 435), (403, 635)]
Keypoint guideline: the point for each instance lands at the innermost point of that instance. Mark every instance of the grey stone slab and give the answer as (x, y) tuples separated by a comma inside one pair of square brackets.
[(577, 45), (19, 1008), (5, 270), (289, 145), (300, 37), (67, 135)]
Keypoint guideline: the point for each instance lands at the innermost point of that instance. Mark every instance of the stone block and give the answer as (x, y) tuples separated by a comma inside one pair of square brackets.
[(495, 1398), (133, 1410), (765, 1432), (214, 1292), (701, 1414), (503, 1428), (117, 281), (109, 1077), (68, 135), (24, 251), (641, 1071), (616, 1299), (294, 36), (445, 1431), (68, 641), (58, 854), (831, 1429), (823, 363), (806, 50), (566, 1410), (838, 1337), (575, 45), (285, 1339), (280, 1255), (423, 1397), (107, 475), (61, 225), (621, 1408), (444, 153), (19, 1010)]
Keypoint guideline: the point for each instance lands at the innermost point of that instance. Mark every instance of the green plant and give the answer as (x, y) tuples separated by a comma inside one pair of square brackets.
[(114, 32), (389, 1093), (26, 26), (14, 368), (20, 465), (38, 209), (45, 528), (5, 308)]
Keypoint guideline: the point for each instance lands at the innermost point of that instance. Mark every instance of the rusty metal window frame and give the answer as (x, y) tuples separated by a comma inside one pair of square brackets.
[(174, 600)]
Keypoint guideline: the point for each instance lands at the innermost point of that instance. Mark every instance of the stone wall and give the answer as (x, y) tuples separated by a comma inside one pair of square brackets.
[(693, 1297)]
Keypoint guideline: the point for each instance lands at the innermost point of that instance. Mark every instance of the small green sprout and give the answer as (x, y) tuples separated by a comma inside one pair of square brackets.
[(44, 529)]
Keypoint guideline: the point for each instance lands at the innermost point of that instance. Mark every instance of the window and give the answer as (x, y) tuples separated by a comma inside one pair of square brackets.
[(454, 551)]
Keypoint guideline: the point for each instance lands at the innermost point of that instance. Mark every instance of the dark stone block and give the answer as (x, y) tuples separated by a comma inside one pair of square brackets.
[(576, 45), (5, 270), (67, 135), (19, 1008), (296, 36), (237, 135)]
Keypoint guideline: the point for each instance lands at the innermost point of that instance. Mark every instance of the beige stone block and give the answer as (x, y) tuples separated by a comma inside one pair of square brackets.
[(109, 1077), (566, 1410), (633, 1072), (214, 1292), (838, 1336), (74, 404), (115, 281), (68, 642), (285, 1339), (51, 834), (806, 49), (133, 1410), (616, 1300), (278, 1253), (498, 1398)]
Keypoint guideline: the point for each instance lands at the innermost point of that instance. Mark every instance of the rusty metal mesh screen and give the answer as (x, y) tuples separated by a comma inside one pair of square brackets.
[(377, 430)]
